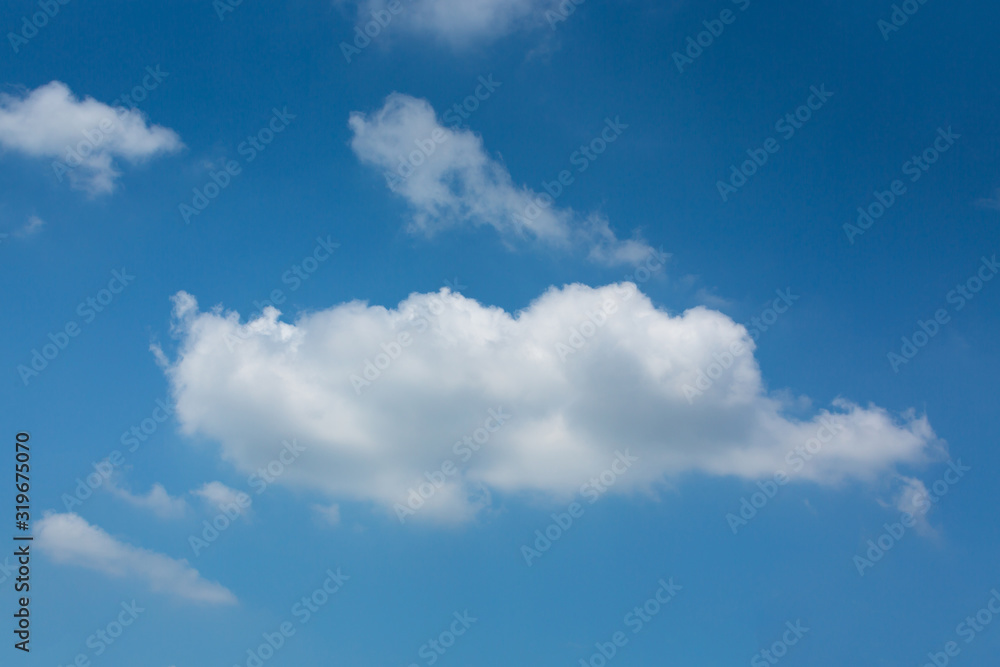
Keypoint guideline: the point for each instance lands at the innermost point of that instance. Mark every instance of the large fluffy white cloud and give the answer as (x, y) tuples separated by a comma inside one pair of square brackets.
[(83, 137), (448, 179), (461, 22), (377, 398), (68, 538)]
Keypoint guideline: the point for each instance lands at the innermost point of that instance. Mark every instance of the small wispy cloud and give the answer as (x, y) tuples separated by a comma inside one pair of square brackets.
[(29, 228), (913, 498), (463, 23), (329, 514), (69, 539), (991, 203), (156, 500), (452, 181), (33, 226), (220, 497)]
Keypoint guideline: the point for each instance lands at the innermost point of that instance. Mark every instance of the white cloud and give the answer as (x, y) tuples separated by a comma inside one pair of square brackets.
[(250, 386), (157, 500), (221, 497), (992, 203), (33, 226), (912, 498), (85, 136), (69, 539), (450, 180), (463, 22), (330, 514)]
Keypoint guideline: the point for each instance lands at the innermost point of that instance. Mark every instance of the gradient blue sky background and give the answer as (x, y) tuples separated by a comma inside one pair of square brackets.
[(782, 230)]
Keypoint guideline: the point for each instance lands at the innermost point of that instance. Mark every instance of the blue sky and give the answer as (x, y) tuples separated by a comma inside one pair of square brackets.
[(454, 325)]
